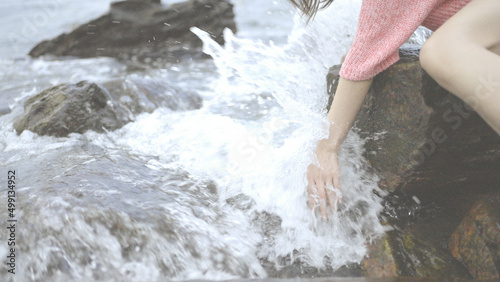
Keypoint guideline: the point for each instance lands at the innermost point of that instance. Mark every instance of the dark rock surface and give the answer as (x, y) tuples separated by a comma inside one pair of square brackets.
[(417, 245), (76, 108), (394, 119), (407, 119), (144, 31), (380, 261), (67, 108), (476, 241), (437, 157)]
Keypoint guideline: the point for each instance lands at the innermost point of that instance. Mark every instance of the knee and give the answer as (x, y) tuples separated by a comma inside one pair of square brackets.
[(436, 60), (440, 58), (426, 55)]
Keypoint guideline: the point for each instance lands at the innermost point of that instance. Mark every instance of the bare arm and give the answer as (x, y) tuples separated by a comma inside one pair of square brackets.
[(346, 104), (375, 48)]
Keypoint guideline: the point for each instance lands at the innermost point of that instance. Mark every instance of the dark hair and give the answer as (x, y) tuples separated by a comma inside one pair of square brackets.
[(310, 7)]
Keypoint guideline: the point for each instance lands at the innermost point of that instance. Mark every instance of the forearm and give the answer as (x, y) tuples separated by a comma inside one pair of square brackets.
[(346, 104)]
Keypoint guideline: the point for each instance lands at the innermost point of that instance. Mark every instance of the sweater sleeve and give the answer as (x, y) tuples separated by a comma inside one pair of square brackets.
[(384, 25)]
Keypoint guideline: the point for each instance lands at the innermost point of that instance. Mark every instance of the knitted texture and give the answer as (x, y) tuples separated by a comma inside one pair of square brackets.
[(384, 25)]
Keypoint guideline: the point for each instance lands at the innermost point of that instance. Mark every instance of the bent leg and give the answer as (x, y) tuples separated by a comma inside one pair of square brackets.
[(463, 56)]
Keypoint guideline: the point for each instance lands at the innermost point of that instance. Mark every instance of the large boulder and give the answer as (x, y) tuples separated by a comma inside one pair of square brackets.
[(144, 30), (408, 120), (394, 118), (76, 108)]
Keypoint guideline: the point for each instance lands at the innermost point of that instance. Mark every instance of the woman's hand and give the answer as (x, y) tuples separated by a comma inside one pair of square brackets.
[(323, 179)]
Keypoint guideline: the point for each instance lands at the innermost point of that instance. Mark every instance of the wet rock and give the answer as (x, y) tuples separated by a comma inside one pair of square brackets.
[(476, 241), (419, 254), (152, 1), (394, 119), (379, 261), (417, 245), (407, 119), (144, 31), (424, 141), (67, 108), (76, 108), (137, 94), (422, 230)]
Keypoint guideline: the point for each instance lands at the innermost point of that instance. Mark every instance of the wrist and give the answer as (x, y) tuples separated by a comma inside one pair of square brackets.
[(328, 145)]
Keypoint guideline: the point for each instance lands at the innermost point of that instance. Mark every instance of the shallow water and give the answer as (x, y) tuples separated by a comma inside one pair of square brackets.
[(203, 194)]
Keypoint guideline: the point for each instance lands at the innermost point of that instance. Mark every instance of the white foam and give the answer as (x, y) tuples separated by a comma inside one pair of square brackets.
[(265, 155)]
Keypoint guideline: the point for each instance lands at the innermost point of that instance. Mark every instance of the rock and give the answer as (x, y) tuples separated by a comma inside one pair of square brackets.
[(422, 140), (476, 241), (67, 108), (393, 119), (142, 94), (152, 1), (413, 251), (379, 261), (416, 250), (144, 31), (419, 254), (76, 108), (425, 217), (408, 119)]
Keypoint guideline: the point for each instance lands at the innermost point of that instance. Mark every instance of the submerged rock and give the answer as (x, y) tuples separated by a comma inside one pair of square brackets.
[(76, 108), (144, 30)]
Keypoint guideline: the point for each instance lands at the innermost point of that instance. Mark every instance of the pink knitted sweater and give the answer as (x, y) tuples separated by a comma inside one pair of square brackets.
[(384, 25)]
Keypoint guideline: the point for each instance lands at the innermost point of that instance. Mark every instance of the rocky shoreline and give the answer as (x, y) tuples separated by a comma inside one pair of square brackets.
[(77, 108), (144, 32), (437, 159)]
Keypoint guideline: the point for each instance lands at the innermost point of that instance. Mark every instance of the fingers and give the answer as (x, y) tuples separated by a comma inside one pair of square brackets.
[(332, 198), (336, 185), (316, 191), (320, 186), (312, 195), (310, 187)]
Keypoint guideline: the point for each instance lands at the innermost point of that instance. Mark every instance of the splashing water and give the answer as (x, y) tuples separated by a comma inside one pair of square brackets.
[(200, 194), (271, 171), (255, 137)]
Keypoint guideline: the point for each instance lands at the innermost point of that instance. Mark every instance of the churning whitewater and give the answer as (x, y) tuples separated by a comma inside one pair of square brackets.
[(202, 194)]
